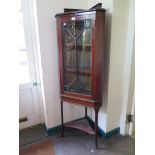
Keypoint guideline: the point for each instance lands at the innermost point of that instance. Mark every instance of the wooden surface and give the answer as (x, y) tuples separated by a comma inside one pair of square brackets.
[(42, 148), (98, 50), (94, 99), (80, 12), (79, 101), (71, 10), (82, 125), (98, 56)]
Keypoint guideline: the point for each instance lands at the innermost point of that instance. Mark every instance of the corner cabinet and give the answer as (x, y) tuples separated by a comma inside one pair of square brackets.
[(81, 36)]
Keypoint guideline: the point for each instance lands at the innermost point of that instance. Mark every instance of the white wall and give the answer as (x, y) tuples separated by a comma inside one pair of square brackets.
[(108, 5), (115, 91), (119, 43), (46, 10), (120, 63)]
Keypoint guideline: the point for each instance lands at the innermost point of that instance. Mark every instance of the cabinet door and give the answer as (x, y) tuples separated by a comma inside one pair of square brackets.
[(77, 56)]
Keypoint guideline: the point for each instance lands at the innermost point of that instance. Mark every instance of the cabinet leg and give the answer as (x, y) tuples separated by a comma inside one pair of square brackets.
[(96, 125), (85, 112), (62, 121)]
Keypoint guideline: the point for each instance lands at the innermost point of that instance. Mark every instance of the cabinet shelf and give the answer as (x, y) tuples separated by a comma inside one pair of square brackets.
[(77, 45), (80, 71), (80, 48), (81, 124)]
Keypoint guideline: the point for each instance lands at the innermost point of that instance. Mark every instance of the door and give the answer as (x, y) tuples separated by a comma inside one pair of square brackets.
[(29, 112), (77, 54)]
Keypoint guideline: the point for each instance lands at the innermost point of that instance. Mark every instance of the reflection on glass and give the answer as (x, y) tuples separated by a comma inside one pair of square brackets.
[(77, 56)]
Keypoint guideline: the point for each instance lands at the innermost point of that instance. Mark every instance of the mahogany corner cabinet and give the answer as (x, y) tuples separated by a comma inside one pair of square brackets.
[(81, 45)]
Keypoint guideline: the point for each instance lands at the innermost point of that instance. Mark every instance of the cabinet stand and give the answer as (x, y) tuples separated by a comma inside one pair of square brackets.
[(85, 112), (96, 122), (96, 125), (62, 120)]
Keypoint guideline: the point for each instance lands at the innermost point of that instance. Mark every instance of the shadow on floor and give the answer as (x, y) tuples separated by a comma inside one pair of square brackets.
[(32, 134)]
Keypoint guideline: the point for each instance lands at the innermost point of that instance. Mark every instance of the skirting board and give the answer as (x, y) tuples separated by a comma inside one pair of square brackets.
[(57, 129), (101, 132)]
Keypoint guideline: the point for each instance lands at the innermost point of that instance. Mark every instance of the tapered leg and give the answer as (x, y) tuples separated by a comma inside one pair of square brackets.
[(96, 125), (85, 112), (62, 121)]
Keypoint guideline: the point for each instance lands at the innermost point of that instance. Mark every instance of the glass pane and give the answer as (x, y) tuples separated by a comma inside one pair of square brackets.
[(22, 44), (24, 75), (23, 57), (84, 50), (75, 27), (69, 59), (77, 56), (85, 59)]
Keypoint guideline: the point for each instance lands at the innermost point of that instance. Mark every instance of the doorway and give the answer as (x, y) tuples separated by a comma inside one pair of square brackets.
[(29, 108)]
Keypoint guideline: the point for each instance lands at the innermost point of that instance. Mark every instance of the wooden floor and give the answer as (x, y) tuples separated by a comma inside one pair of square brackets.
[(76, 142), (32, 134), (42, 148)]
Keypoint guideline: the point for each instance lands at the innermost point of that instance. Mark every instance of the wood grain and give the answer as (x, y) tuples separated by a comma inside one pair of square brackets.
[(42, 148)]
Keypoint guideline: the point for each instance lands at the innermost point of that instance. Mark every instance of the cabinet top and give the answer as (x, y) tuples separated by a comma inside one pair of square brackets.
[(79, 12)]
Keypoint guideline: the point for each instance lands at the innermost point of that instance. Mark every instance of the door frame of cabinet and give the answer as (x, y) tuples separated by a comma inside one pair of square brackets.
[(97, 45)]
